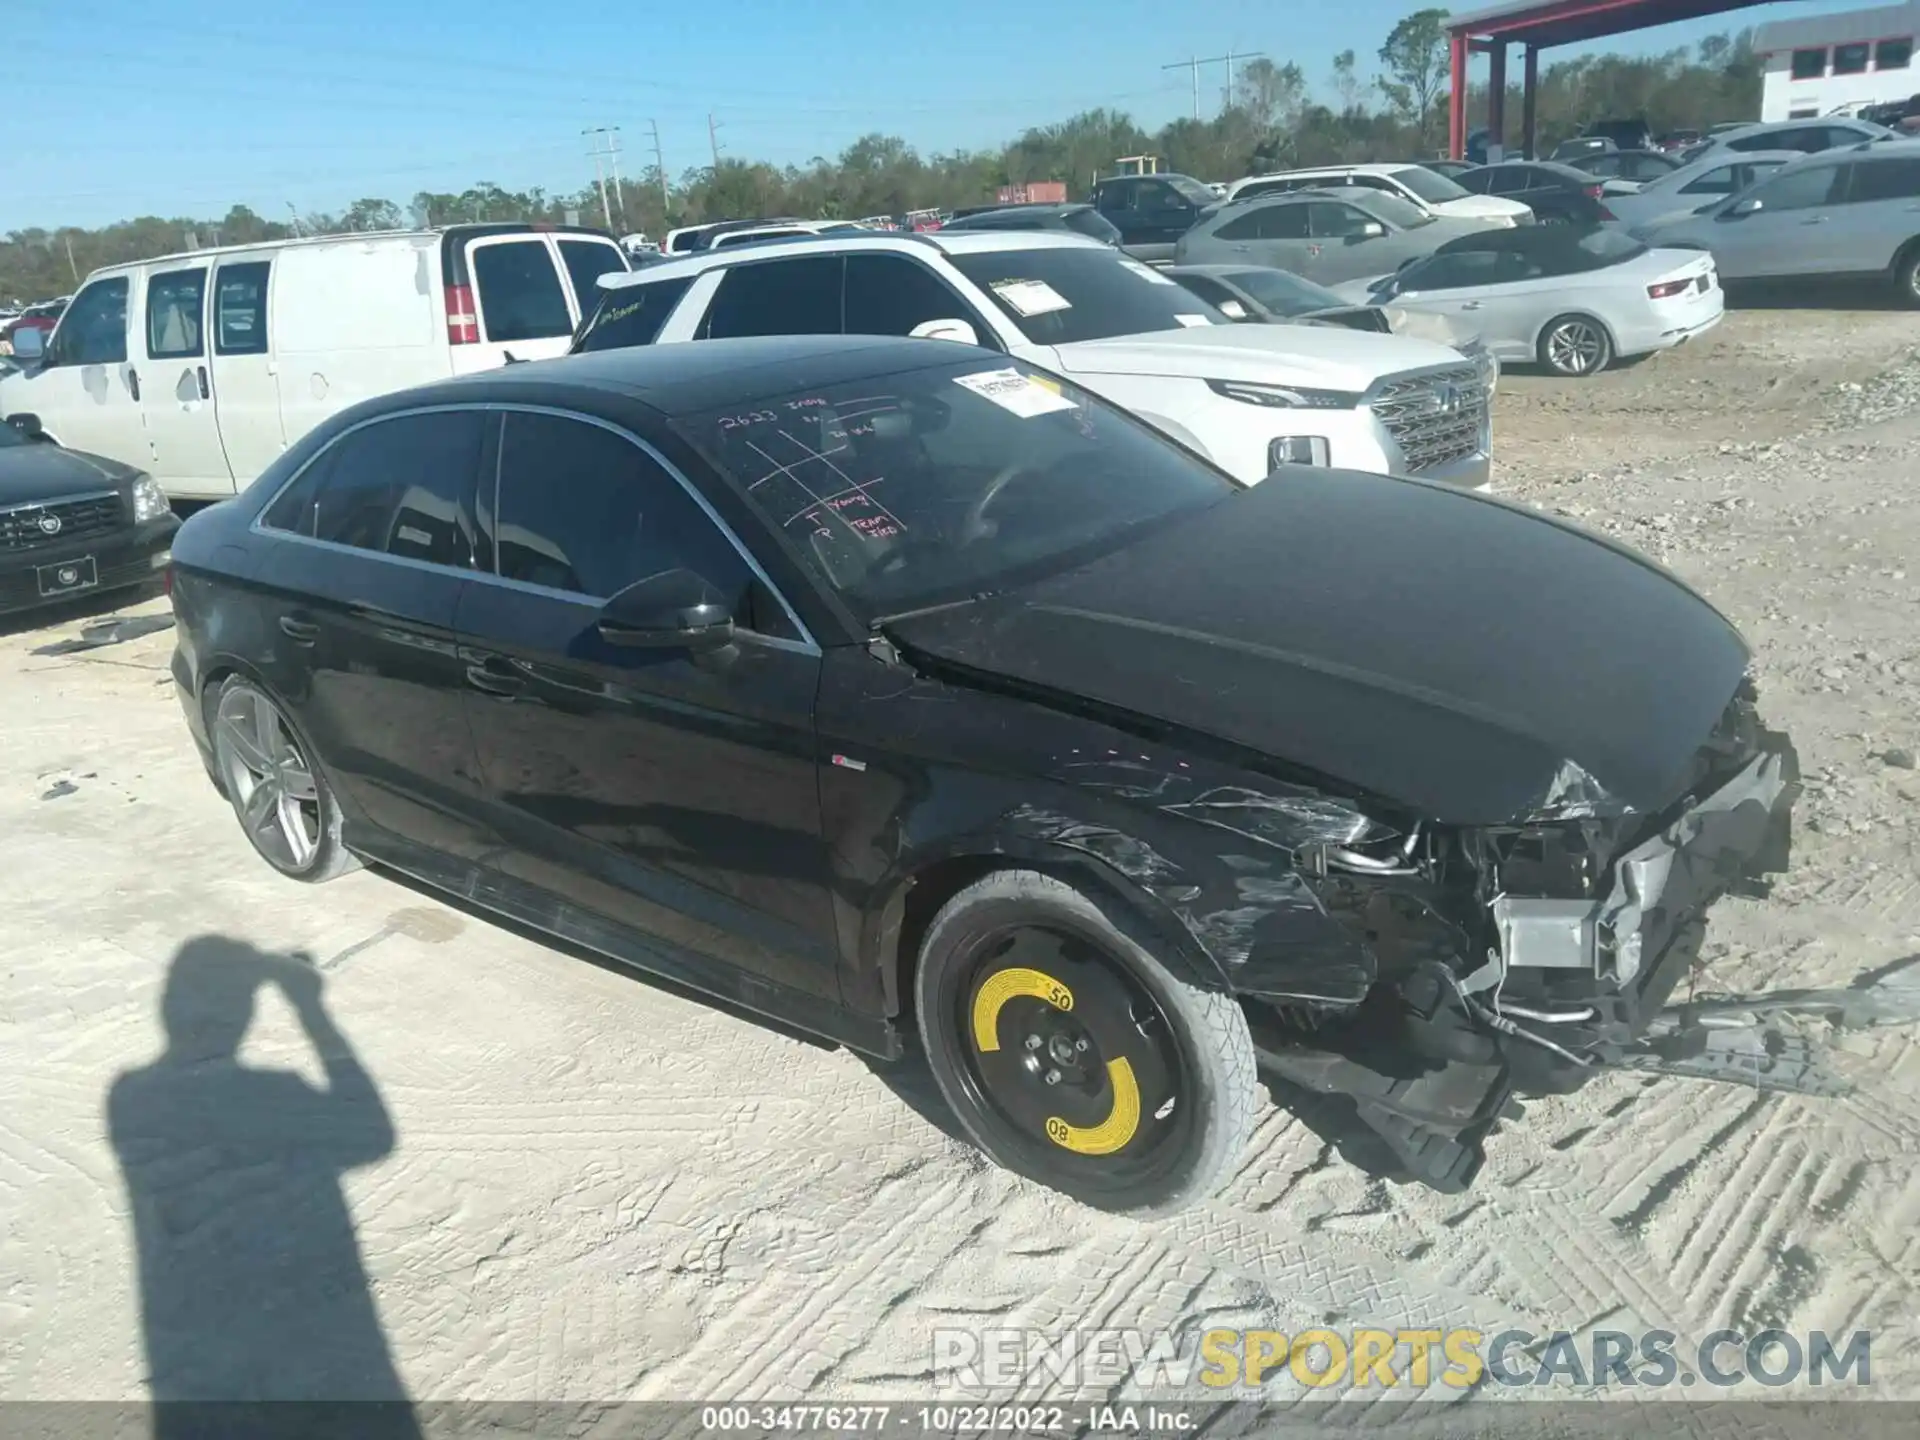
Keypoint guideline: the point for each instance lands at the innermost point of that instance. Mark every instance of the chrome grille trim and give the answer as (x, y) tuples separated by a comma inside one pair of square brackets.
[(1429, 433)]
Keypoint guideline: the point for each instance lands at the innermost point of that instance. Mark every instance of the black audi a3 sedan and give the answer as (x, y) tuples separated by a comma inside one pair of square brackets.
[(72, 524), (901, 691)]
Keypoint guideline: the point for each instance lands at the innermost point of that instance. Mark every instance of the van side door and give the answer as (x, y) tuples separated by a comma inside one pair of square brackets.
[(246, 392), (176, 386)]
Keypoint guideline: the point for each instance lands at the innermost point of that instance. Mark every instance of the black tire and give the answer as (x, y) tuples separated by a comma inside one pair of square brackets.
[(1906, 276), (1575, 346), (1163, 1088), (279, 795)]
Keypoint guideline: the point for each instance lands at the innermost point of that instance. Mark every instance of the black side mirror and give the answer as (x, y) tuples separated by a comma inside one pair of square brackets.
[(674, 610)]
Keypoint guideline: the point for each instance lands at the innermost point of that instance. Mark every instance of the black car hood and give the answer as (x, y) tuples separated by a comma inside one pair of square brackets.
[(1461, 656), (47, 472)]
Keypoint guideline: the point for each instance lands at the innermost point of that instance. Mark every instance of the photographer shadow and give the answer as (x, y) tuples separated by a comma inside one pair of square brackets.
[(252, 1286)]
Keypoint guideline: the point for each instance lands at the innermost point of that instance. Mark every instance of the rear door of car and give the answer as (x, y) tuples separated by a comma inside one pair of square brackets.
[(376, 543), (521, 298), (1274, 234), (672, 793), (176, 384), (1880, 214), (585, 258)]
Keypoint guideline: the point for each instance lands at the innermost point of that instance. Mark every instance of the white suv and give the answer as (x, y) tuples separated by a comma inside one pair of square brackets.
[(1413, 183), (1251, 398)]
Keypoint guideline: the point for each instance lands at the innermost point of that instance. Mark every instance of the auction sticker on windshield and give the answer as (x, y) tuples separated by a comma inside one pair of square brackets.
[(1193, 321), (1011, 390), (1032, 297), (1146, 271)]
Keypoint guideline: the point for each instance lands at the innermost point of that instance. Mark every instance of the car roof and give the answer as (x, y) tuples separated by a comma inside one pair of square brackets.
[(1378, 167), (350, 237), (683, 379), (959, 242)]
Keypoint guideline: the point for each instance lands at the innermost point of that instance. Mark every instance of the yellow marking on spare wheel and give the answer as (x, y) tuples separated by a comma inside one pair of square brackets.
[(1111, 1133), (1002, 988)]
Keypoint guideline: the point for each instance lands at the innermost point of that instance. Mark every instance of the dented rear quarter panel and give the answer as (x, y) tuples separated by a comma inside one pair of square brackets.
[(1201, 850)]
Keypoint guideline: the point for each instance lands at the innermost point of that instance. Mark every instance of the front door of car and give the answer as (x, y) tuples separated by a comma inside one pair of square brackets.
[(1788, 232), (358, 601), (1348, 243), (176, 386), (1164, 213), (1492, 294), (85, 392), (673, 792)]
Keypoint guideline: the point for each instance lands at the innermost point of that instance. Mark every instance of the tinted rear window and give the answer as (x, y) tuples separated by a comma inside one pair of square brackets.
[(631, 315), (519, 291), (586, 262)]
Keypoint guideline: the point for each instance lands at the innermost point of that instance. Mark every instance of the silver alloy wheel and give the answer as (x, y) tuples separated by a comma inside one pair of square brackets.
[(267, 777), (1575, 347)]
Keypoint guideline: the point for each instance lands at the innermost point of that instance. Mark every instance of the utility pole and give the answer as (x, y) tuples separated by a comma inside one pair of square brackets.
[(713, 139), (1195, 64), (660, 164), (612, 134), (600, 179)]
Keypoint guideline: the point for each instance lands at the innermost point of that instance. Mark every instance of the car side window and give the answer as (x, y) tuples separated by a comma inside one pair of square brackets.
[(1114, 198), (402, 486), (176, 311), (1799, 190), (94, 329), (519, 290), (1723, 181), (890, 294), (1884, 178), (776, 297), (1333, 221), (585, 510), (240, 308)]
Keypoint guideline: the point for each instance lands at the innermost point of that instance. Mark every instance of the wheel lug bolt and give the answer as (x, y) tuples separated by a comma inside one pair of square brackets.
[(1053, 1077), (1082, 1044), (1033, 1042)]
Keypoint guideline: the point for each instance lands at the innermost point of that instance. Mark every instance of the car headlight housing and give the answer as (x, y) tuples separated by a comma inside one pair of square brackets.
[(1284, 397), (1486, 368), (149, 500)]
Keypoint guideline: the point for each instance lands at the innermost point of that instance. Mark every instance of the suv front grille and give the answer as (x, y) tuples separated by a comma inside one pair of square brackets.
[(54, 522), (1435, 418)]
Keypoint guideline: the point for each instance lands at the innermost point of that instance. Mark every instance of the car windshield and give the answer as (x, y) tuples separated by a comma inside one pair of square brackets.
[(1432, 188), (1060, 296), (1191, 189), (1284, 293), (910, 490)]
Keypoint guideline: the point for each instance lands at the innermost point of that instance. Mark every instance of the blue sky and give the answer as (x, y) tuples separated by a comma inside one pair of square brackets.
[(126, 107)]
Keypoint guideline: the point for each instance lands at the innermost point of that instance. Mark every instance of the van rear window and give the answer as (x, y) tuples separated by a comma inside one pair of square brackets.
[(631, 315)]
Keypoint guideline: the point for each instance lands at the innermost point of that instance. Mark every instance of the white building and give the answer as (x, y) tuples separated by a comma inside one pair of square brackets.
[(1833, 64)]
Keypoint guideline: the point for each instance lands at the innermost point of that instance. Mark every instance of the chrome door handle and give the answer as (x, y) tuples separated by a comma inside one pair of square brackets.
[(301, 632), (1470, 305), (492, 677)]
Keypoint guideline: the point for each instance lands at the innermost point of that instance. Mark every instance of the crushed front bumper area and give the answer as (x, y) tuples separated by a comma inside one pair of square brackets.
[(1567, 988)]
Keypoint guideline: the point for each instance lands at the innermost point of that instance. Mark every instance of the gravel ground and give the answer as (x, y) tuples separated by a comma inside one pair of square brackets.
[(563, 1183)]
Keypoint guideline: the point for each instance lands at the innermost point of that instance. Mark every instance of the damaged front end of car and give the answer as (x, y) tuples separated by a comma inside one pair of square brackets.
[(1523, 958)]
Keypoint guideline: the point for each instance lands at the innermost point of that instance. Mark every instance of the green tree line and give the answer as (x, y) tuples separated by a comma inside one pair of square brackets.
[(1278, 116)]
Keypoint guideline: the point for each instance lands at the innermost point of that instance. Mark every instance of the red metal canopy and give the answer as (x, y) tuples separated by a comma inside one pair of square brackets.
[(1540, 24)]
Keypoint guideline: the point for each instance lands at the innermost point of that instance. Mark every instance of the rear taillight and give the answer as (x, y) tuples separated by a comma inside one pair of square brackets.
[(1596, 191), (463, 325), (1668, 288)]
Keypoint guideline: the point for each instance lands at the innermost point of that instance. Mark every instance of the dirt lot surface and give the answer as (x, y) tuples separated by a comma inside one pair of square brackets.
[(568, 1183)]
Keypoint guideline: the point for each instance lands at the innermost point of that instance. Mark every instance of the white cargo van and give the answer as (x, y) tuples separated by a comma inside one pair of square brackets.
[(201, 368)]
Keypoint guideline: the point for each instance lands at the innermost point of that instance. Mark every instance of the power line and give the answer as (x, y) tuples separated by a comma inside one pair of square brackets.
[(1196, 62)]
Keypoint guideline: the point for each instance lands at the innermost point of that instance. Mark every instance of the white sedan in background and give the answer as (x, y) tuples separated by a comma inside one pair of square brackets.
[(1572, 299)]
